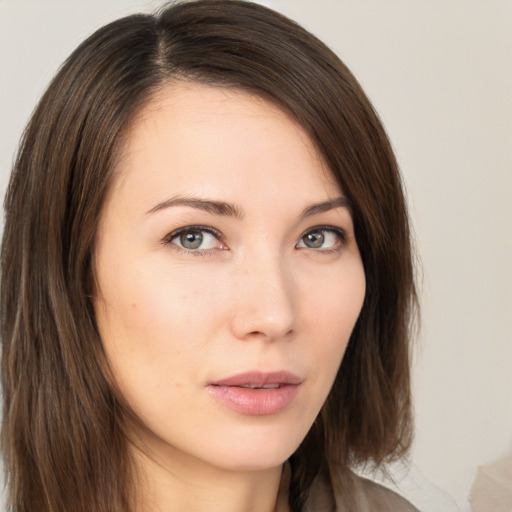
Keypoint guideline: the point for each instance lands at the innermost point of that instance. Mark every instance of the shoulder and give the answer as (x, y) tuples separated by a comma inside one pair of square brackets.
[(345, 491), (375, 497)]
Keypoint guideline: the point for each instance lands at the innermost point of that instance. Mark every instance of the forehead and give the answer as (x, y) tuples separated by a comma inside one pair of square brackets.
[(191, 135)]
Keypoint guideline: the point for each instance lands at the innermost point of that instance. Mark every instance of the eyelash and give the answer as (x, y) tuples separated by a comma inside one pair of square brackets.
[(340, 233), (168, 240)]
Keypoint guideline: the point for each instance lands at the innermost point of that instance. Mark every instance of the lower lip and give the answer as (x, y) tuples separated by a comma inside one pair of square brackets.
[(255, 402)]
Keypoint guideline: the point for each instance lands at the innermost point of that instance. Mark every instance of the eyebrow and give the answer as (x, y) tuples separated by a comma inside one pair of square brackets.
[(325, 206), (208, 205), (232, 210)]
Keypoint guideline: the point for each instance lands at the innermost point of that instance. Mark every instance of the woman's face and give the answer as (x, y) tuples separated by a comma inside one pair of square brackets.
[(229, 279)]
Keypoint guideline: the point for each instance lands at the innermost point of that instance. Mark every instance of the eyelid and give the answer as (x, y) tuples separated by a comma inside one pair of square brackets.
[(168, 239), (340, 232), (193, 227)]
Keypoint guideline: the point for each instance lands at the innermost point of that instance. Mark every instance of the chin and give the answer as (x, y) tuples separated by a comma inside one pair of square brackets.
[(258, 450)]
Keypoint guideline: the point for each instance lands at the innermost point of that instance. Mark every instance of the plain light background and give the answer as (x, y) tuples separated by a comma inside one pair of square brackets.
[(440, 75)]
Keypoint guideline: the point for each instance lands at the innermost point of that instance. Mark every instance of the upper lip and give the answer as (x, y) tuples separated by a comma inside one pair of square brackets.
[(259, 379)]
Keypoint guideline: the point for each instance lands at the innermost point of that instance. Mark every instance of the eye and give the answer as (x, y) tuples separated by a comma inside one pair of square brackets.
[(322, 238), (195, 239)]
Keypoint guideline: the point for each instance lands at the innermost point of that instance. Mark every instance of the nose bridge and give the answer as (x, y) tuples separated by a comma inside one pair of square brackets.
[(265, 305)]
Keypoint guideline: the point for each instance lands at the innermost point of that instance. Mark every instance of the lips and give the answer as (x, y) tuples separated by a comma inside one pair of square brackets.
[(257, 393)]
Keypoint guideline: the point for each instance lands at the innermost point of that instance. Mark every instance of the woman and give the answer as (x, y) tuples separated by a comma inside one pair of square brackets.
[(207, 279)]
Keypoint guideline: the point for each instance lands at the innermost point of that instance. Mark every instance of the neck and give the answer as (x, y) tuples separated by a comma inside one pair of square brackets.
[(195, 486)]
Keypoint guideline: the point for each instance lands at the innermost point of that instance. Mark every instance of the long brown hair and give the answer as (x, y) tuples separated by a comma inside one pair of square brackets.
[(63, 435)]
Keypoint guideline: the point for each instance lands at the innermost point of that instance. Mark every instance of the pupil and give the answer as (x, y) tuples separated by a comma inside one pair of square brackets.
[(314, 240), (191, 240)]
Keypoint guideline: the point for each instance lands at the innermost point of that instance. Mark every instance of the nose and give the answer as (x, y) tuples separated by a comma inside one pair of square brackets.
[(265, 303)]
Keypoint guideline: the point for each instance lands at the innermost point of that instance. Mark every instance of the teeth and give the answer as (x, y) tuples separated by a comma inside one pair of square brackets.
[(265, 386)]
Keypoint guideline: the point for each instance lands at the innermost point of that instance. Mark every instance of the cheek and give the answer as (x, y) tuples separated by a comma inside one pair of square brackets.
[(151, 330), (332, 313), (335, 301), (156, 322)]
